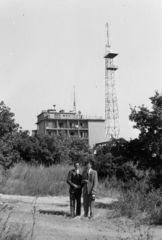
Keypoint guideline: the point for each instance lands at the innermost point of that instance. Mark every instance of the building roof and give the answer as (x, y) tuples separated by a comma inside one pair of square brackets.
[(62, 115)]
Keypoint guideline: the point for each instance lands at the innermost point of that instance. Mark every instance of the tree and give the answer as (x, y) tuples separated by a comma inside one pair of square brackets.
[(7, 122), (8, 155), (8, 128), (149, 142), (78, 149), (142, 153)]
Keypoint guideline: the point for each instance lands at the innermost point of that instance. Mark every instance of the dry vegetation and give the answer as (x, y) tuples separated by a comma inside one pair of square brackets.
[(23, 179), (136, 200), (134, 203)]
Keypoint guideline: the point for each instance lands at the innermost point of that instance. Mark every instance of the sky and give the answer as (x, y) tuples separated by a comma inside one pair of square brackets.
[(49, 46)]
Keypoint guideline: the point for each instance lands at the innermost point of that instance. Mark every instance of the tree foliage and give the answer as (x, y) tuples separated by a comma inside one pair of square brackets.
[(17, 145), (7, 122), (118, 157), (144, 152), (149, 142)]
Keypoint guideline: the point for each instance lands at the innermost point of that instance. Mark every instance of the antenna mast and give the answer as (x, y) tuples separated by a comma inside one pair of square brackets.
[(74, 103), (112, 129)]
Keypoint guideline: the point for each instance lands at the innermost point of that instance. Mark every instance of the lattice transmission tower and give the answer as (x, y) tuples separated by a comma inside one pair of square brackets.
[(112, 129)]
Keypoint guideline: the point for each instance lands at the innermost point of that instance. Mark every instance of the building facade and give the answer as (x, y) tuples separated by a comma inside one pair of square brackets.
[(72, 124)]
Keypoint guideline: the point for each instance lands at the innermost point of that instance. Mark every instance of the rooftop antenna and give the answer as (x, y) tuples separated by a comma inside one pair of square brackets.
[(74, 103), (54, 107)]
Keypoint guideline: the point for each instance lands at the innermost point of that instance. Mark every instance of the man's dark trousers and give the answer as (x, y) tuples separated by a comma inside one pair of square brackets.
[(75, 201), (75, 193)]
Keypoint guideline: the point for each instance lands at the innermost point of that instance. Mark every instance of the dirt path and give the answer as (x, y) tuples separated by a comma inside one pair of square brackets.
[(49, 218)]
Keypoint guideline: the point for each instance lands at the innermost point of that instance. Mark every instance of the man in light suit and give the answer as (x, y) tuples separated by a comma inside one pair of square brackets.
[(75, 181), (90, 181)]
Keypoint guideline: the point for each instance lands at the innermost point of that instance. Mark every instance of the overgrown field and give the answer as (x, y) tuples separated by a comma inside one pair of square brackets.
[(135, 201), (24, 179)]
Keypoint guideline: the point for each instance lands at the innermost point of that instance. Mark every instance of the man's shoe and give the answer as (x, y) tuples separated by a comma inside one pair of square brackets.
[(85, 215), (78, 214)]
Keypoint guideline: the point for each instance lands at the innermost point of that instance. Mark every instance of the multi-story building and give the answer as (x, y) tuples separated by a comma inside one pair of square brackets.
[(72, 124)]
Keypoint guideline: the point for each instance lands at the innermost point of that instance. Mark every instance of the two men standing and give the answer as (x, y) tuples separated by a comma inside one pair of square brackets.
[(88, 181)]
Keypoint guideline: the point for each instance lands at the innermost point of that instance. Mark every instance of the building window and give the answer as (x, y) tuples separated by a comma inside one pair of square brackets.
[(82, 125), (61, 125), (72, 133)]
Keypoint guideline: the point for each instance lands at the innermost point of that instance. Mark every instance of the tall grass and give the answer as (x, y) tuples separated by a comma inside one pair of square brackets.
[(25, 179), (135, 199)]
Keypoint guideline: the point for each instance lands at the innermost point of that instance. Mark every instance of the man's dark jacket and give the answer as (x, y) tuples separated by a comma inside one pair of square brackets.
[(74, 179)]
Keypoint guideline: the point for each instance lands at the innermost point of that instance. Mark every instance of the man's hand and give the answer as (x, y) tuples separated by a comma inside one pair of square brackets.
[(85, 181), (79, 187), (75, 186)]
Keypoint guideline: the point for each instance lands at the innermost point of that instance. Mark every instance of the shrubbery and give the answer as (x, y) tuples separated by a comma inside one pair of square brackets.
[(134, 167), (17, 145), (117, 157)]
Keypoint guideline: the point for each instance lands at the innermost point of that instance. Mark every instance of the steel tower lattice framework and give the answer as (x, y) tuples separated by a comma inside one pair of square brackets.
[(112, 129)]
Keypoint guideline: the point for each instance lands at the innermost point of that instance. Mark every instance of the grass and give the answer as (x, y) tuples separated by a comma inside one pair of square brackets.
[(10, 231), (135, 232), (24, 179), (135, 202), (139, 204), (29, 180)]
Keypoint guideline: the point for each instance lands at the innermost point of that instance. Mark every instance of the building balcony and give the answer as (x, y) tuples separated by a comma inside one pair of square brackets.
[(74, 117), (67, 128), (86, 117), (50, 128)]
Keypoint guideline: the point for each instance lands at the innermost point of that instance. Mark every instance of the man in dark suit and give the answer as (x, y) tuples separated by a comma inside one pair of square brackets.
[(90, 181), (75, 181)]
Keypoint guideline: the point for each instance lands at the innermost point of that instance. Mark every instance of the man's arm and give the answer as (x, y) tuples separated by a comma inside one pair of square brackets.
[(69, 180), (95, 182)]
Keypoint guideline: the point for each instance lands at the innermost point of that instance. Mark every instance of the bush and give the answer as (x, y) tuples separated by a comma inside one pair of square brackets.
[(139, 203)]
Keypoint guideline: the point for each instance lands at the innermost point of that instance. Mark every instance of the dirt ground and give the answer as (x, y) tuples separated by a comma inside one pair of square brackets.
[(48, 218)]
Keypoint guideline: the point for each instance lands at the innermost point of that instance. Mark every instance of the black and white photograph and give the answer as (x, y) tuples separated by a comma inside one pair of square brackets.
[(80, 120)]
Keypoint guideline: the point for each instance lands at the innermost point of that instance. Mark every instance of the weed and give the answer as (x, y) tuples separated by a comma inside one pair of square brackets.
[(135, 231), (34, 217), (10, 231)]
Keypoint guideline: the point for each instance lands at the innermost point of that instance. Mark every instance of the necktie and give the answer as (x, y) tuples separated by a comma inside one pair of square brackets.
[(88, 174)]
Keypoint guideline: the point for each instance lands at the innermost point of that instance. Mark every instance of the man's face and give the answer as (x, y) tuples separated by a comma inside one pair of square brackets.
[(88, 166), (76, 165)]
